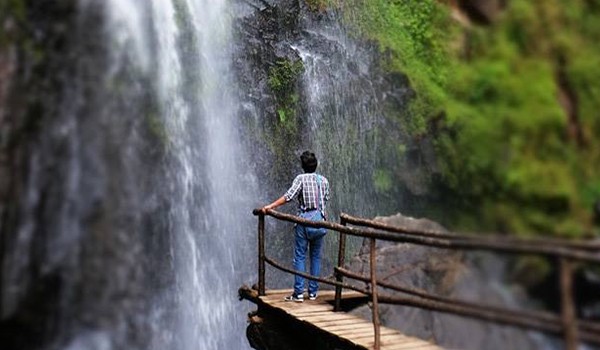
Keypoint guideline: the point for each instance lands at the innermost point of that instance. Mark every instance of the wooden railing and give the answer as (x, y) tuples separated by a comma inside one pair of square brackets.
[(568, 253)]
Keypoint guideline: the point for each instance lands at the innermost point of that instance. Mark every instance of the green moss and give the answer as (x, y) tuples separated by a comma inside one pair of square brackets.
[(283, 78), (284, 75), (383, 181), (281, 129)]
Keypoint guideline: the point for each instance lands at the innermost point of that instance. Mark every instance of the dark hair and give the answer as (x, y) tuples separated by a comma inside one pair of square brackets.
[(309, 162)]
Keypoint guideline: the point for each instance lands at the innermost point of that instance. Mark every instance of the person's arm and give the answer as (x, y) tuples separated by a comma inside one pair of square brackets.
[(288, 196), (280, 201)]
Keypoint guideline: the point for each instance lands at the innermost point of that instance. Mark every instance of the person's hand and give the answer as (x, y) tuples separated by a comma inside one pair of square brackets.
[(264, 209)]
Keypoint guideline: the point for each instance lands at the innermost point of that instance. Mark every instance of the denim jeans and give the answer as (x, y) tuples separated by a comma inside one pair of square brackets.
[(307, 240)]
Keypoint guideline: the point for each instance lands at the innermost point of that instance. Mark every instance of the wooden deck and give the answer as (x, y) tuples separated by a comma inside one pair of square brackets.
[(351, 329)]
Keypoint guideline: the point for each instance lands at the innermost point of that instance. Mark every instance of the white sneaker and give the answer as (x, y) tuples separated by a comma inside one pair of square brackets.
[(294, 297)]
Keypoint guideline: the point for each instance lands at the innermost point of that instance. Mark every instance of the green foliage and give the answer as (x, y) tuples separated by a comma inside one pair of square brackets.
[(504, 155), (510, 148)]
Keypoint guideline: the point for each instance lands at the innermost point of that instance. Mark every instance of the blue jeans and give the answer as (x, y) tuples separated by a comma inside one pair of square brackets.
[(304, 240)]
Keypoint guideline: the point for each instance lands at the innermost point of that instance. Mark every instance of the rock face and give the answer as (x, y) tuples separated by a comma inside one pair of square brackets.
[(470, 277), (340, 102), (307, 83)]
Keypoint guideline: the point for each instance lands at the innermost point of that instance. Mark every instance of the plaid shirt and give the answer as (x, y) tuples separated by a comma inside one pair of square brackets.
[(305, 187)]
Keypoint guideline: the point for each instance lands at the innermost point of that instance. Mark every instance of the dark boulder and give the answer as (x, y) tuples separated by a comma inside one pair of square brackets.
[(482, 11)]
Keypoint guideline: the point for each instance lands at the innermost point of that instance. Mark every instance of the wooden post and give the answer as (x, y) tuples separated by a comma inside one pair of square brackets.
[(569, 319), (341, 261), (261, 254), (374, 295)]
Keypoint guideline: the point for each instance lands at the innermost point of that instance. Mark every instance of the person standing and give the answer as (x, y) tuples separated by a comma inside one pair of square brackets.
[(312, 191)]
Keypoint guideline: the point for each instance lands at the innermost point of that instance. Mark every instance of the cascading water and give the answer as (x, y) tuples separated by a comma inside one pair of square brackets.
[(131, 230), (190, 44)]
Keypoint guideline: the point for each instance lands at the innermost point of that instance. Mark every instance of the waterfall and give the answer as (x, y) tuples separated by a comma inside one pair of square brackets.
[(183, 47)]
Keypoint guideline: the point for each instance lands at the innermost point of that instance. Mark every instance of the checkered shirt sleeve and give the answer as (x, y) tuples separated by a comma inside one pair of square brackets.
[(294, 190)]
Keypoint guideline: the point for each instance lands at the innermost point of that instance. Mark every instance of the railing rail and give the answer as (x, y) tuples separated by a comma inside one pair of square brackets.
[(483, 239), (567, 252)]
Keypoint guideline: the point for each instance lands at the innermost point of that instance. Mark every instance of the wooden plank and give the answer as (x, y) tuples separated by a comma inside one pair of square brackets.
[(359, 330), (362, 333), (319, 320), (396, 338), (332, 316), (334, 322), (311, 312), (304, 306), (315, 314), (342, 327), (298, 312), (294, 308), (353, 329), (304, 309)]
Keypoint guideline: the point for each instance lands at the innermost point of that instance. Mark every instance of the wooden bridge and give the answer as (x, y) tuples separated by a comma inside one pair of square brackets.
[(326, 315)]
